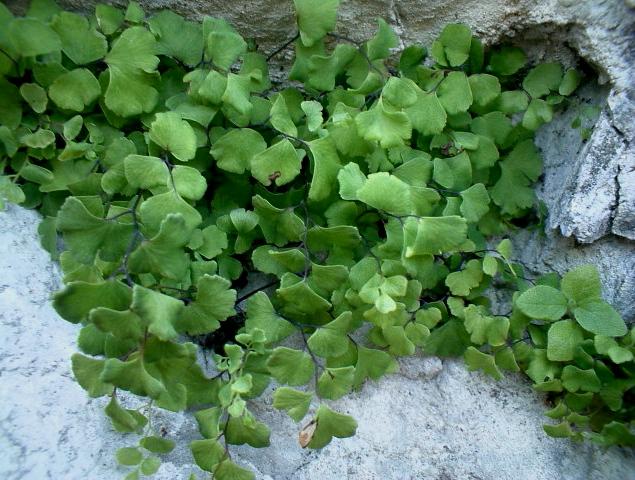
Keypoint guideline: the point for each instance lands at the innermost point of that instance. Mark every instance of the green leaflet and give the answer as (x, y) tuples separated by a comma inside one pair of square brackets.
[(453, 45), (460, 283), (145, 172), (109, 18), (281, 118), (81, 43), (427, 114), (432, 235), (600, 318), (129, 456), (455, 93), (570, 82), (75, 90), (278, 164), (88, 234), (454, 173), (538, 113), (476, 360), (542, 302), (77, 299), (313, 112), (294, 402), (290, 366), (124, 420), (157, 311), (315, 19), (507, 60), (222, 44), (157, 444), (331, 424), (35, 96), (543, 79), (174, 135), (279, 226), (207, 453), (130, 61), (387, 193), (563, 339), (372, 364), (261, 315), (235, 150), (40, 139), (132, 376), (176, 37), (475, 202), (485, 329), (156, 208), (88, 372), (389, 128), (330, 340), (326, 167), (485, 88), (334, 383), (213, 304), (521, 167), (241, 431), (384, 39), (31, 37), (582, 284)]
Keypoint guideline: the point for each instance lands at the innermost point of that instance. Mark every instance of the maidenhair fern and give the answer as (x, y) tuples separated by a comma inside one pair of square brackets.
[(197, 203)]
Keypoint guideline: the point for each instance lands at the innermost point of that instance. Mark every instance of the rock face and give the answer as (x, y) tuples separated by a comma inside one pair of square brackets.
[(433, 420)]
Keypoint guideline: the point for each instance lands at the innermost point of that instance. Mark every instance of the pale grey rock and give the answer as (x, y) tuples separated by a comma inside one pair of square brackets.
[(49, 428), (588, 188), (432, 420), (613, 256), (447, 424)]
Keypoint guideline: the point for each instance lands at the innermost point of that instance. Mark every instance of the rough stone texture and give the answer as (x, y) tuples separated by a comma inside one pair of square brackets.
[(571, 165), (49, 428), (433, 420)]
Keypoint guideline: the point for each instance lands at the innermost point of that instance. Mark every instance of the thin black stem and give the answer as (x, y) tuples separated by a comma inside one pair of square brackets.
[(344, 38), (245, 296), (370, 251), (170, 167), (136, 234), (114, 217), (315, 361), (283, 46), (360, 49), (295, 139), (307, 259), (6, 54)]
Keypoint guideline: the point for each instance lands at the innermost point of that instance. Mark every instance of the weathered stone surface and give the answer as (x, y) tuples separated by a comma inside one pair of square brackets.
[(433, 420), (581, 185)]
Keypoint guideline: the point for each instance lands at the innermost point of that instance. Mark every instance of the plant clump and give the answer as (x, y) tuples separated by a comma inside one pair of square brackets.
[(189, 200)]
